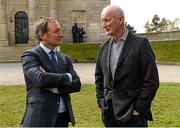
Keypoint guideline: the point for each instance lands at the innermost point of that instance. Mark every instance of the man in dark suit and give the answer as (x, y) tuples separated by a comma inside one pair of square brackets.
[(75, 33), (50, 78), (126, 75)]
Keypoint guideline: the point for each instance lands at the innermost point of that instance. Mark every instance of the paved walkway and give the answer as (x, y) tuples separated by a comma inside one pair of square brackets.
[(11, 73)]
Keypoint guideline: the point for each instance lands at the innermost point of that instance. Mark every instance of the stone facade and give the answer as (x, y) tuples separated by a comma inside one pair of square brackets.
[(17, 18)]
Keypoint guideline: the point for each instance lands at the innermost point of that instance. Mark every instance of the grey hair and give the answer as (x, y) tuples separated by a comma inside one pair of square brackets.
[(41, 26)]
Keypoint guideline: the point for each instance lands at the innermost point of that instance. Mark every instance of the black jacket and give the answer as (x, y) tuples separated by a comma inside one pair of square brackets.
[(135, 81), (41, 104)]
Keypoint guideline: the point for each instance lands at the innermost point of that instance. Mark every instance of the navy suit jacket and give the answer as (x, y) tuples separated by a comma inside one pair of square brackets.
[(41, 104), (135, 81)]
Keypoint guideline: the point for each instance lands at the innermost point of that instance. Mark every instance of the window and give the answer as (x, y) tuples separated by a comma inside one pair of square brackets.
[(21, 28), (79, 17)]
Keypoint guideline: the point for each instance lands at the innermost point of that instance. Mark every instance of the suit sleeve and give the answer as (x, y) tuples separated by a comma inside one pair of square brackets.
[(31, 68), (150, 78), (99, 80), (76, 83)]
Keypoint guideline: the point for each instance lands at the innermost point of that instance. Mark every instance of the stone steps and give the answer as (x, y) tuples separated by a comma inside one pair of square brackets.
[(12, 53)]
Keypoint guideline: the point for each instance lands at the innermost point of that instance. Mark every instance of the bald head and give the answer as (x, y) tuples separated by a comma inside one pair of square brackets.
[(114, 9), (112, 19)]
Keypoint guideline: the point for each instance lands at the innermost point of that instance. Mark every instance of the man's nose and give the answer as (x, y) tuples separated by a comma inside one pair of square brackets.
[(60, 34), (103, 25)]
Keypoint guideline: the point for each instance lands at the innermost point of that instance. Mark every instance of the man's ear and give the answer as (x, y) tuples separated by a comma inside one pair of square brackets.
[(120, 19), (43, 36)]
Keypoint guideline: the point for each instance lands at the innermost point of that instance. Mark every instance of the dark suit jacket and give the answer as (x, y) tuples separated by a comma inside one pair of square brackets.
[(135, 81), (42, 104)]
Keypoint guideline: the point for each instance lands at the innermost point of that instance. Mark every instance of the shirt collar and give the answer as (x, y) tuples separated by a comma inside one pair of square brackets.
[(125, 35), (47, 50), (123, 38)]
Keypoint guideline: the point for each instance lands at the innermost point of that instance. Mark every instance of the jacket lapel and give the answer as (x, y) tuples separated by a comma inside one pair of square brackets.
[(127, 45), (47, 61), (108, 57), (44, 57), (60, 62)]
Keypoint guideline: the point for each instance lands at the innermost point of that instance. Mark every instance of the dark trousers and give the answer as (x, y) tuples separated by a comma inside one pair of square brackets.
[(62, 120), (75, 38), (110, 121), (81, 39)]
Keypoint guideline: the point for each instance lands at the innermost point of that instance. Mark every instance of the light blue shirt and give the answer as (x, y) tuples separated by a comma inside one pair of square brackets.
[(116, 50), (62, 107)]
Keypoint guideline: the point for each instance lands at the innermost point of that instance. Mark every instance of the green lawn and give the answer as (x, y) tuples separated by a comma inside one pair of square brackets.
[(81, 52), (165, 51), (166, 106)]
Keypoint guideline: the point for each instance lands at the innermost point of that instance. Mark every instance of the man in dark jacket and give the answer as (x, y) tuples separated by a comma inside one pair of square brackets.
[(81, 34), (50, 78), (126, 75), (75, 33)]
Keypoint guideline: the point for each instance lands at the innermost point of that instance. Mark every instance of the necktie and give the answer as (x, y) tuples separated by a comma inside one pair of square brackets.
[(54, 62), (55, 68)]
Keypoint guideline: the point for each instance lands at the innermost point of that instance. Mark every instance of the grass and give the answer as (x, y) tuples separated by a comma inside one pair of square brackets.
[(81, 52), (12, 100), (165, 51), (165, 107)]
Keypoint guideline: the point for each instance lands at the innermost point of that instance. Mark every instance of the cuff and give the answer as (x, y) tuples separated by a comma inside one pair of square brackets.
[(70, 77)]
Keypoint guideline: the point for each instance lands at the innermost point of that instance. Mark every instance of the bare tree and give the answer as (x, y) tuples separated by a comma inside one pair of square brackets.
[(164, 25)]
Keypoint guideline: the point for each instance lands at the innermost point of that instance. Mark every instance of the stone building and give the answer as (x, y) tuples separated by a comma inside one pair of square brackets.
[(17, 19)]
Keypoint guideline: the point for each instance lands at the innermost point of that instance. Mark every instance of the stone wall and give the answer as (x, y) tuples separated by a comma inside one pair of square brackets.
[(14, 6), (162, 36), (89, 17), (67, 12)]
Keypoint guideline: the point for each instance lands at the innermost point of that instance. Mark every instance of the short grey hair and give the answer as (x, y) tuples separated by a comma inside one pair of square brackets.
[(41, 26)]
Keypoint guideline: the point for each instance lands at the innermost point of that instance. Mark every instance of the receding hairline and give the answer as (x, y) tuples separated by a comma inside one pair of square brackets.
[(117, 11), (42, 26)]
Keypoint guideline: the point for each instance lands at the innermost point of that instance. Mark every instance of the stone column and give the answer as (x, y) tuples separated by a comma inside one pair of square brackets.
[(32, 17), (53, 11), (53, 8), (3, 24)]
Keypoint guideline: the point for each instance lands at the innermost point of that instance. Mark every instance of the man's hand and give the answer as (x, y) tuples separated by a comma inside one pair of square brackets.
[(42, 69)]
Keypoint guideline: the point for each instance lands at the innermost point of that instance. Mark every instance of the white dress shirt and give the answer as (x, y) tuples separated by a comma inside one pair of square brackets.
[(62, 107)]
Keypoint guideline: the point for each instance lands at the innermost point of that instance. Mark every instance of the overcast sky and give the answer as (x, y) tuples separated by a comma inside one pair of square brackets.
[(138, 12)]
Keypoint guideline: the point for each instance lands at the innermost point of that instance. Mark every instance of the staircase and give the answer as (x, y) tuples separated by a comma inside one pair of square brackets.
[(12, 53)]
